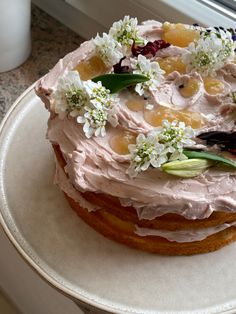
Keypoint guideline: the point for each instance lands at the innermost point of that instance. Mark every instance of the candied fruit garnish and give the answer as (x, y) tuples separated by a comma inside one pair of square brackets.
[(91, 68), (156, 116), (171, 64), (179, 35), (190, 88), (119, 142), (213, 86), (135, 103)]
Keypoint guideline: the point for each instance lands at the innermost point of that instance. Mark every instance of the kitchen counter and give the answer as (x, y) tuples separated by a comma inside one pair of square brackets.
[(50, 41)]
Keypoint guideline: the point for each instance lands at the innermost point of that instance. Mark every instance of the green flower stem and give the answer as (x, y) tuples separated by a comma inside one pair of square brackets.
[(210, 156)]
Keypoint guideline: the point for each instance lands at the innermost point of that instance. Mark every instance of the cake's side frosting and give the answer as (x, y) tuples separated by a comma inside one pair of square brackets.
[(189, 235), (92, 165)]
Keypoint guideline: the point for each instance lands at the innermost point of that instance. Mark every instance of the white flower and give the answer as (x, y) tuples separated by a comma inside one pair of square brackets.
[(210, 52), (147, 151), (175, 136), (95, 119), (159, 146), (125, 32), (108, 49), (99, 95), (70, 95), (227, 52), (152, 70)]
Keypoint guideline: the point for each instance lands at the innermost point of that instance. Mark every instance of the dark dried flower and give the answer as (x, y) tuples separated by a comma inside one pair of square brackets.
[(150, 48), (118, 68), (225, 140)]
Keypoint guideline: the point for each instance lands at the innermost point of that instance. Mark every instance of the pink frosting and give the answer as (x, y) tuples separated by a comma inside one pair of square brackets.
[(93, 166), (179, 236)]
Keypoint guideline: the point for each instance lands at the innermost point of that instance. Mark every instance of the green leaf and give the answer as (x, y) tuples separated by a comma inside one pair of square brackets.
[(117, 82), (205, 155)]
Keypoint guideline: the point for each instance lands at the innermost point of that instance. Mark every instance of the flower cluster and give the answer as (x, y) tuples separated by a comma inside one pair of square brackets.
[(113, 46), (108, 49), (175, 136), (147, 151), (152, 70), (163, 144), (126, 31), (214, 48), (70, 95), (90, 102)]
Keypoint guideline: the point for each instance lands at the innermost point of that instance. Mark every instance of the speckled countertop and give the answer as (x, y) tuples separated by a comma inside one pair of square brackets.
[(50, 41)]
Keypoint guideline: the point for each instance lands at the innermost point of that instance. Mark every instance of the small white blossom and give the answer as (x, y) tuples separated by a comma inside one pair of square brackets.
[(95, 119), (108, 49), (227, 52), (146, 152), (152, 70), (175, 136), (159, 146), (70, 95), (126, 32), (210, 53), (100, 95)]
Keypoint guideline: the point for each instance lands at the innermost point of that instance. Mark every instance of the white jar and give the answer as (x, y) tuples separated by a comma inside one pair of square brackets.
[(15, 39)]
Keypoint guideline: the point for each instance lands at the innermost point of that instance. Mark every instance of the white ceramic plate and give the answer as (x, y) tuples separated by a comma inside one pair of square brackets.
[(78, 261)]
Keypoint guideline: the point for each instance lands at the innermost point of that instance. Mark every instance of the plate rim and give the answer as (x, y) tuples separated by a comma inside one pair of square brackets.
[(225, 308)]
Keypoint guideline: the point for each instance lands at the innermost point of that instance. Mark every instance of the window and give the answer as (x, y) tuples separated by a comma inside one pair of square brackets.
[(231, 4)]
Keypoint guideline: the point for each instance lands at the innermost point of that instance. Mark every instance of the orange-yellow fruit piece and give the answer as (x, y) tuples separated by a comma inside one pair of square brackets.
[(170, 64), (91, 68), (179, 35), (135, 103), (190, 88), (119, 142), (156, 116), (213, 86)]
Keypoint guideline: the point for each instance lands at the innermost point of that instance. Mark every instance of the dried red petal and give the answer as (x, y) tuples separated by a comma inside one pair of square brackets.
[(232, 151), (150, 48), (118, 68)]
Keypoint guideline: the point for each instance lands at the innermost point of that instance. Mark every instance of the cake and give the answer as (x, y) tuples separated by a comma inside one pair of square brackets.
[(142, 124)]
